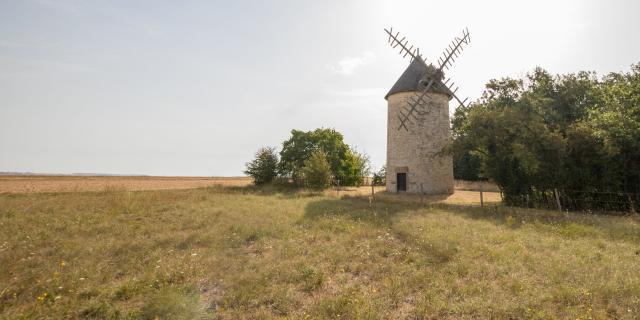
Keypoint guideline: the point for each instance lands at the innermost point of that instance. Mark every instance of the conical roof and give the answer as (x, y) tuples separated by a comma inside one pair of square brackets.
[(410, 79)]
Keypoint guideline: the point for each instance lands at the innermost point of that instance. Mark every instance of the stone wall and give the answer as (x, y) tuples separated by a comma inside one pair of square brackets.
[(414, 151), (475, 186)]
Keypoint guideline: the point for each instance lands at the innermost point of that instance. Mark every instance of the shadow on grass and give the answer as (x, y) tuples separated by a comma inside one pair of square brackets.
[(358, 208), (381, 211), (385, 206), (566, 224), (285, 191)]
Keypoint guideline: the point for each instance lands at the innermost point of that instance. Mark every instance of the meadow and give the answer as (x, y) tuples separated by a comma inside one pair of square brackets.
[(239, 252)]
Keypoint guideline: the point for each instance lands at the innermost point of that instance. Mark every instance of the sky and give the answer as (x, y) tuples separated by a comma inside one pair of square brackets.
[(197, 87)]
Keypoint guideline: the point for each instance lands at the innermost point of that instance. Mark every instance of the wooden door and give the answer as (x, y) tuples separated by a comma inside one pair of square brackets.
[(401, 178)]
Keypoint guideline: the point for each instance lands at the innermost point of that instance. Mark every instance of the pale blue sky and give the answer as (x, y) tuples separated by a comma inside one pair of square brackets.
[(196, 87)]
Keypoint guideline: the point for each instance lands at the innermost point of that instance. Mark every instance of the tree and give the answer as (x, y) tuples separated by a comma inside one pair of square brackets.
[(466, 166), (574, 133), (347, 165), (316, 170), (355, 167), (380, 177), (263, 169)]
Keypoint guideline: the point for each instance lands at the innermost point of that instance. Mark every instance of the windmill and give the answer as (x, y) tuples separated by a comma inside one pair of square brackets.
[(418, 107)]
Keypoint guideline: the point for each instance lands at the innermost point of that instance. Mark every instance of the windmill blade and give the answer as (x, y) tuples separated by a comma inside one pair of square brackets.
[(405, 49), (461, 102), (419, 99), (452, 90), (416, 110), (418, 102), (414, 115), (454, 49)]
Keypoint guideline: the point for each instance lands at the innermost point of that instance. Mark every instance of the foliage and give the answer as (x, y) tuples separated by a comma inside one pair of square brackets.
[(574, 132), (316, 171), (263, 169), (355, 167), (347, 165), (380, 177), (466, 166)]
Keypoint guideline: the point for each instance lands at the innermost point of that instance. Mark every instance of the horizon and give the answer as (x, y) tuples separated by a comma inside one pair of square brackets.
[(162, 89)]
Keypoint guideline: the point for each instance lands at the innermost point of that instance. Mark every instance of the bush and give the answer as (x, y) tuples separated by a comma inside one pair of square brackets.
[(316, 171), (263, 169), (380, 177), (355, 168), (575, 135), (346, 164)]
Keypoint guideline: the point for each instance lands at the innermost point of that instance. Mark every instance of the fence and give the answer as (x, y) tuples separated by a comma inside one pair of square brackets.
[(578, 200)]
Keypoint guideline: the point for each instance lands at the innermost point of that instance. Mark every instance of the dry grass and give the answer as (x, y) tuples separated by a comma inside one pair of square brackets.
[(234, 253), (38, 184)]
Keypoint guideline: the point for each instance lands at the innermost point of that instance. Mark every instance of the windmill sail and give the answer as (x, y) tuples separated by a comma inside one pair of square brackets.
[(418, 102)]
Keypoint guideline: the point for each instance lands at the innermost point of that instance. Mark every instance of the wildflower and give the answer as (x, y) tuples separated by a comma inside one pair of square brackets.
[(62, 263), (42, 297)]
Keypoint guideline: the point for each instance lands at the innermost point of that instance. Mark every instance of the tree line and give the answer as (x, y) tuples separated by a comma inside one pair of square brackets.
[(572, 135), (314, 159)]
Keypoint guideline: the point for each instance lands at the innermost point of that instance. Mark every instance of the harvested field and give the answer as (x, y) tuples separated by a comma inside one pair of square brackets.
[(52, 184), (36, 184)]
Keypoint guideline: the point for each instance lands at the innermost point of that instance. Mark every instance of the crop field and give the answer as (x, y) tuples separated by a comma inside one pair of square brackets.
[(239, 252), (44, 183)]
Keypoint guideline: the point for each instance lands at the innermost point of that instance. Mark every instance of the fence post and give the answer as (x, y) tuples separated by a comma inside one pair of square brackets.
[(555, 192), (632, 207), (338, 188), (372, 192), (481, 195)]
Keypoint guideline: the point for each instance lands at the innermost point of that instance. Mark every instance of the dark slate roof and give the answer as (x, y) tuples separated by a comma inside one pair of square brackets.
[(410, 79)]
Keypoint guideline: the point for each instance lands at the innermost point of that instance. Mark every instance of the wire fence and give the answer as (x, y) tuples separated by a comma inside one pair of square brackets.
[(579, 200)]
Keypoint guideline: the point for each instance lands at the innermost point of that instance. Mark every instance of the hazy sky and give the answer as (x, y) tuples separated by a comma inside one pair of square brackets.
[(196, 87)]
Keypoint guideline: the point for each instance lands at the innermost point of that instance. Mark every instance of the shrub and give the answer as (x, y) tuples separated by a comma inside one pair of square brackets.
[(355, 168), (316, 171), (380, 177), (346, 164), (576, 136), (263, 169)]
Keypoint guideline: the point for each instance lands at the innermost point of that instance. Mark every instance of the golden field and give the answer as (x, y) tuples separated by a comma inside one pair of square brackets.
[(53, 183), (15, 184)]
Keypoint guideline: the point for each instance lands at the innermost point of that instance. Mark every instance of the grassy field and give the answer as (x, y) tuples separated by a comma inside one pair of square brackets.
[(238, 252)]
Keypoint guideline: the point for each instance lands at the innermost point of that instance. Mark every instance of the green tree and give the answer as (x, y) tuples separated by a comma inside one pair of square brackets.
[(263, 168), (380, 177), (466, 166), (316, 170), (347, 165), (354, 168), (569, 132)]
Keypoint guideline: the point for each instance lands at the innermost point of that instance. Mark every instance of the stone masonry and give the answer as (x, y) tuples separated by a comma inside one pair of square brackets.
[(414, 151)]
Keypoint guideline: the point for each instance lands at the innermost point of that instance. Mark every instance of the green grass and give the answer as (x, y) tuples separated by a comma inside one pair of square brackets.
[(221, 253)]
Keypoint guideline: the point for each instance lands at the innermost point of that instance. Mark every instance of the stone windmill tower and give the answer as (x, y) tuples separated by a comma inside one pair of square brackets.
[(418, 122)]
